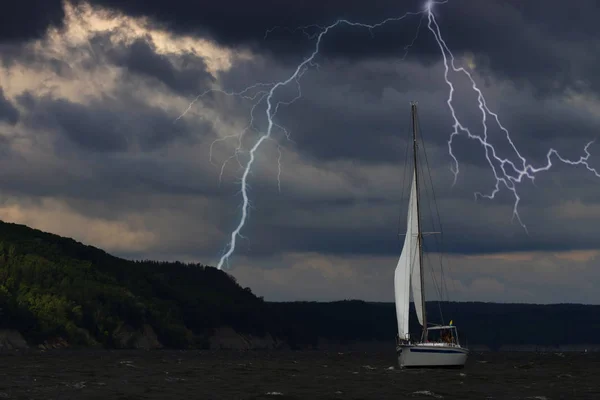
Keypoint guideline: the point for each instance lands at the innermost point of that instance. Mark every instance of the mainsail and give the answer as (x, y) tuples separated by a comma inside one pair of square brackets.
[(409, 262)]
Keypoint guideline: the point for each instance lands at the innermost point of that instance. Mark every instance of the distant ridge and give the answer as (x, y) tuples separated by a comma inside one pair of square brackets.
[(492, 325)]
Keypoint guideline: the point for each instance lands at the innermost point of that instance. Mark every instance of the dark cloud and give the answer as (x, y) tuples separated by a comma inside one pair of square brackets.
[(232, 22), (344, 104), (469, 227), (108, 124), (8, 112), (182, 73), (114, 152), (17, 54), (329, 132), (28, 19), (360, 111), (528, 43), (513, 40)]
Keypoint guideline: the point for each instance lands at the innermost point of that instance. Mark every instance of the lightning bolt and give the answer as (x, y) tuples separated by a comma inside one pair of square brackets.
[(507, 173), (271, 112)]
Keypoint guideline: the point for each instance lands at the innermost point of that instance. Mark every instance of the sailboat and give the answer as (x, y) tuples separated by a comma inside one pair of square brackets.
[(437, 345)]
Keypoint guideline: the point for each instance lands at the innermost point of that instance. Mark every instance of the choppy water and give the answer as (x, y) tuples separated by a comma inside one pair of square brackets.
[(291, 375)]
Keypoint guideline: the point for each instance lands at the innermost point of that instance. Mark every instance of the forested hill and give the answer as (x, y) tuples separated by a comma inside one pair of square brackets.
[(54, 289)]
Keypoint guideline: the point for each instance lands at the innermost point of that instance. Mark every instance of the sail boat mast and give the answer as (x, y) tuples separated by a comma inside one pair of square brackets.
[(413, 109)]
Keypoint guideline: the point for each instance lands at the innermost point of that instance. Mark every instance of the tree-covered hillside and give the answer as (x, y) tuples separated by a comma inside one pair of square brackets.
[(52, 286)]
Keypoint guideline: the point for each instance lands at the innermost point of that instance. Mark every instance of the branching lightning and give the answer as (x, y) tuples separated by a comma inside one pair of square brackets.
[(512, 175), (506, 172)]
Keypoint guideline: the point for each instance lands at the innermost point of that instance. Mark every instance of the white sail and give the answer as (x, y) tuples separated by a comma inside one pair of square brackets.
[(415, 280), (409, 261)]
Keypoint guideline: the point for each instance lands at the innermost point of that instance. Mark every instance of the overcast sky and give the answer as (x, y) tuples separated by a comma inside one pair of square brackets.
[(90, 91)]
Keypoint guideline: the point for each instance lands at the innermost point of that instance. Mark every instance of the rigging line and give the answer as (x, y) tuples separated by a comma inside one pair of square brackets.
[(426, 249), (441, 251), (433, 227), (440, 287), (439, 294), (431, 271)]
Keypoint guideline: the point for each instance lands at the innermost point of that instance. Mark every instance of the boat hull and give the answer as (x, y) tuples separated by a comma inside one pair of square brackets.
[(431, 356)]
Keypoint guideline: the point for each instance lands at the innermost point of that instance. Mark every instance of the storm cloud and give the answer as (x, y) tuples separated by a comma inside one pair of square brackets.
[(529, 43), (101, 127)]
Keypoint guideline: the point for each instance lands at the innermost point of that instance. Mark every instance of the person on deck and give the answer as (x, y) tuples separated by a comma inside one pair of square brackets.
[(446, 336)]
